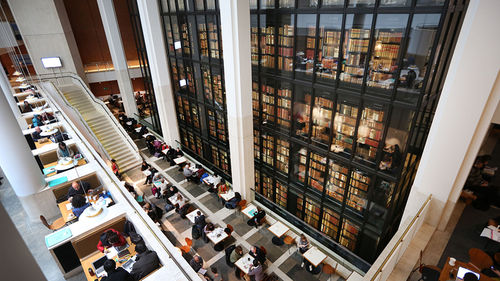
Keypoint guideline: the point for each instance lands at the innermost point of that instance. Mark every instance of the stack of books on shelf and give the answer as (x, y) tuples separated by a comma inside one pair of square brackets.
[(267, 46), (202, 35)]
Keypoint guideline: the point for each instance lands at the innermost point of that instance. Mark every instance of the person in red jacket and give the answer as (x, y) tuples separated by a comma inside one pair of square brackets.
[(115, 168), (110, 238)]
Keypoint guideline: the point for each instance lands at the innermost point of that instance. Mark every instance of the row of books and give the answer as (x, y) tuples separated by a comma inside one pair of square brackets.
[(286, 30), (358, 45), (355, 59), (285, 41), (353, 70), (373, 114), (390, 37), (386, 51), (285, 63), (287, 52)]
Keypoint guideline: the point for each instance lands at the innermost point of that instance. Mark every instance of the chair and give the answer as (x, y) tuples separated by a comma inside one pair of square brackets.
[(231, 229), (479, 259), (242, 204), (328, 269), (289, 241), (58, 223), (187, 248), (497, 258), (430, 273)]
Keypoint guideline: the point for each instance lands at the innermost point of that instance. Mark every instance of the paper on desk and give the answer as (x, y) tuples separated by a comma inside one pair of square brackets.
[(69, 206), (112, 252)]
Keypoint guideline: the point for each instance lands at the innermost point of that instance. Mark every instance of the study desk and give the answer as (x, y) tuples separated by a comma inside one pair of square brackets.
[(314, 256), (244, 263), (51, 147), (67, 210), (278, 229), (217, 235), (250, 211), (228, 195), (54, 164), (491, 233), (191, 216), (180, 160), (87, 261), (447, 268), (174, 201)]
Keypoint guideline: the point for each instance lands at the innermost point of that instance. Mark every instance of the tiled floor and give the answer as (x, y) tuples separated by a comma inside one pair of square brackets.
[(284, 263)]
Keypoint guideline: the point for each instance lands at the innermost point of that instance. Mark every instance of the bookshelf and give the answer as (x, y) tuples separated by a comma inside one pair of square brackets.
[(284, 106), (215, 155), (321, 120), (213, 37), (219, 94), (344, 126), (370, 132), (267, 187), (358, 190), (175, 74), (287, 3), (356, 50), (180, 109), (317, 169), (196, 117), (256, 144), (191, 141), (210, 4), (268, 149), (170, 40), (330, 222), (267, 45), (302, 109), (267, 98), (306, 44), (311, 212), (207, 83), (267, 4), (300, 205), (332, 3), (328, 54), (254, 44), (255, 99), (281, 194), (212, 127), (349, 234), (257, 181), (190, 80), (224, 160), (187, 110), (185, 140), (285, 47), (337, 181), (301, 161), (221, 126), (199, 146), (185, 39), (203, 38), (384, 57), (282, 154)]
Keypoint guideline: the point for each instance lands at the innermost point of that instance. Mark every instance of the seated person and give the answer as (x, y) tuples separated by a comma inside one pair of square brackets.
[(215, 276), (196, 263), (36, 134), (170, 156), (36, 121), (256, 271), (26, 107), (209, 227), (110, 238), (216, 182), (171, 191), (200, 220), (258, 254), (302, 244), (64, 151), (48, 118), (161, 188), (182, 206), (189, 174), (233, 202), (236, 254), (79, 204), (146, 262), (257, 218), (153, 211), (81, 187), (114, 273), (130, 188), (145, 165), (149, 179)]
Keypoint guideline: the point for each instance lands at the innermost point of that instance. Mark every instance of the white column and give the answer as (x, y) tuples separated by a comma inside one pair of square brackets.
[(235, 27), (113, 36), (468, 101), (158, 64), (9, 95)]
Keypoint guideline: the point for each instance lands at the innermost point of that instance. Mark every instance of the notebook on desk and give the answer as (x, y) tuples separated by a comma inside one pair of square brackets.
[(462, 271), (98, 266)]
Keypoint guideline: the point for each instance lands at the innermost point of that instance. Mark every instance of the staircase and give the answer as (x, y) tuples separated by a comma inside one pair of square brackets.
[(113, 138)]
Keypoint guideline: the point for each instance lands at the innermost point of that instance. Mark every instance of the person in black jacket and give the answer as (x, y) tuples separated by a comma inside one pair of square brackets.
[(258, 254), (146, 262), (115, 274), (154, 212)]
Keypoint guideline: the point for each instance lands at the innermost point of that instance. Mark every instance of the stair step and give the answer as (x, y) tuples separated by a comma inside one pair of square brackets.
[(123, 158)]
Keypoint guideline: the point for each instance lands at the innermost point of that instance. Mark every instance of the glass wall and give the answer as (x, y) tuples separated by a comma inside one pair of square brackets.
[(338, 89), (192, 35)]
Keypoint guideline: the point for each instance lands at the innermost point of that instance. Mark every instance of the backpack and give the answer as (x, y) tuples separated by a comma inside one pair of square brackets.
[(195, 232), (128, 228), (228, 252), (135, 238)]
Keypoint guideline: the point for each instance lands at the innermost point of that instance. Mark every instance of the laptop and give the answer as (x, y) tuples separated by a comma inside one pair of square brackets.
[(98, 266), (462, 271), (128, 265)]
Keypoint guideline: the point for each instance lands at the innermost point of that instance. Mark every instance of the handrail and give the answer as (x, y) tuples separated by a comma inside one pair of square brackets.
[(401, 238), (126, 195), (96, 140), (96, 100)]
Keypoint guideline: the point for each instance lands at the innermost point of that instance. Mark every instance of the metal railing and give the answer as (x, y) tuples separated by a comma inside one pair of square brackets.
[(97, 101), (389, 258)]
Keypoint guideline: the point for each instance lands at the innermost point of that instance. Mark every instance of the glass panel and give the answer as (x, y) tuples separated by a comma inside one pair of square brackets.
[(281, 191), (224, 161), (299, 161), (170, 39), (199, 5), (256, 144), (207, 83), (337, 181), (215, 155), (221, 126), (267, 187), (317, 169), (284, 106), (282, 155), (356, 40), (257, 181), (333, 3), (266, 4), (358, 190), (180, 5), (361, 3), (175, 74), (300, 205), (187, 110), (254, 40), (416, 61), (311, 214), (307, 3), (330, 222), (349, 234), (210, 4), (306, 44), (219, 94), (287, 3), (202, 37), (180, 110), (196, 118), (285, 44), (268, 149), (301, 111), (213, 36), (267, 51), (329, 45), (255, 99), (430, 2), (394, 3), (344, 126), (177, 36), (199, 146), (267, 98), (370, 132), (190, 81), (186, 44), (253, 4), (185, 141), (381, 203), (396, 139), (322, 119), (211, 123), (389, 31), (172, 6), (191, 141)]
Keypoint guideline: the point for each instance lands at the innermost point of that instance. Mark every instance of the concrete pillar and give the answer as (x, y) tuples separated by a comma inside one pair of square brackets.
[(113, 36), (235, 26), (20, 168), (9, 95), (149, 13), (46, 32), (467, 104)]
